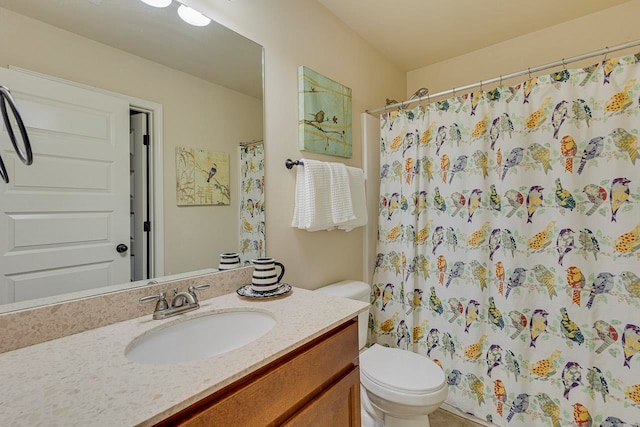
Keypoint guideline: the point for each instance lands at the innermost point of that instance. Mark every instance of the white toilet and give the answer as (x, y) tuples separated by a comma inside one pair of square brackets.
[(398, 388)]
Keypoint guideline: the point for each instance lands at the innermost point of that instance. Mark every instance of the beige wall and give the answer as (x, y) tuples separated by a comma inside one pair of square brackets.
[(612, 26), (294, 33), (301, 32), (306, 34), (196, 114)]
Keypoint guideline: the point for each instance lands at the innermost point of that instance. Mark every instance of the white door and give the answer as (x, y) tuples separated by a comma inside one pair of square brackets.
[(62, 218)]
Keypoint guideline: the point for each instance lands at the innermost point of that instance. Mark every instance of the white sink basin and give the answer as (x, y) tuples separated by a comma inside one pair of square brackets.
[(200, 337)]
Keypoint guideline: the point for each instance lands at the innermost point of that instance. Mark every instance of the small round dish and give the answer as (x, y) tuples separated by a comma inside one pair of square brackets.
[(248, 292)]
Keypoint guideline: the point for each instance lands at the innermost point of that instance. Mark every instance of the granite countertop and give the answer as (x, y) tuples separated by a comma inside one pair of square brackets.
[(85, 379)]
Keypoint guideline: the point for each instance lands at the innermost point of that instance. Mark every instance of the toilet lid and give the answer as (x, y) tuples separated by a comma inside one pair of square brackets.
[(401, 371)]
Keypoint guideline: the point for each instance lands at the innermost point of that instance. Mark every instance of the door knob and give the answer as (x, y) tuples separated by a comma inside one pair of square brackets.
[(122, 248)]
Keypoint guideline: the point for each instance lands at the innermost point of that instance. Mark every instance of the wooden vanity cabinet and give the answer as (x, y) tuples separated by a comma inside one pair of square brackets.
[(317, 384)]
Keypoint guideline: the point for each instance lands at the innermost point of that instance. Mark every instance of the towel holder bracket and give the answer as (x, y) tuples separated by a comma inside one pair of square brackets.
[(291, 163)]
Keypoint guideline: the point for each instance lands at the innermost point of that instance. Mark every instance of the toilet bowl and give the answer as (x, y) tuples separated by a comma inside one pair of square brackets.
[(399, 388)]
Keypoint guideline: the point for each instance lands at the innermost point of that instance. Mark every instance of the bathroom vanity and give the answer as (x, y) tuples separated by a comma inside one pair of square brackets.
[(316, 384), (302, 372)]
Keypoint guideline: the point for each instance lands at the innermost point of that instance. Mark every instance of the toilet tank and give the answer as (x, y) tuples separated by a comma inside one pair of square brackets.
[(356, 290)]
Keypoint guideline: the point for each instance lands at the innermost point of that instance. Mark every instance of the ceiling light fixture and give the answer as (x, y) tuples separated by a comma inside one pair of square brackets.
[(192, 16), (157, 3)]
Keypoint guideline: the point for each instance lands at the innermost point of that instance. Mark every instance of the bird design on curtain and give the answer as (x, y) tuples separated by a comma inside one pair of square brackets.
[(252, 216), (509, 231)]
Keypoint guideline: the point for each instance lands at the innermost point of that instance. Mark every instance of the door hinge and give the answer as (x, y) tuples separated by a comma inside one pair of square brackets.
[(147, 226), (145, 139)]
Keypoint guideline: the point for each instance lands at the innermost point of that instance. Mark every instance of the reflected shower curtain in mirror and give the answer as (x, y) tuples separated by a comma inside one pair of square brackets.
[(252, 218), (508, 245)]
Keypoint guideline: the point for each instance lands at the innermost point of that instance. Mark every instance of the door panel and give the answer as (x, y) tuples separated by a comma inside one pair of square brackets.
[(64, 174), (54, 116), (39, 230), (62, 217), (69, 279)]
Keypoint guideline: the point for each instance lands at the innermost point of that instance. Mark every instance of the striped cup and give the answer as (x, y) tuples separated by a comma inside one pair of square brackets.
[(264, 276), (229, 260)]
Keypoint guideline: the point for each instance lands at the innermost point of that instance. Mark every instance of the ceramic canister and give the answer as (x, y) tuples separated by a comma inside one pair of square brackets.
[(229, 260), (265, 277)]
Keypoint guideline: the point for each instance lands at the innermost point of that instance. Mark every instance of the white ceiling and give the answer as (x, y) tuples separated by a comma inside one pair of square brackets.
[(410, 33), (415, 33)]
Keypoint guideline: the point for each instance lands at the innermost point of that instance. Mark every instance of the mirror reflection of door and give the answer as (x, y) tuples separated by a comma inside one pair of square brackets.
[(64, 217), (139, 151)]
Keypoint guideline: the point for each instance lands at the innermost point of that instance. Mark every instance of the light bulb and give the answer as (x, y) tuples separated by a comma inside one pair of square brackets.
[(157, 3), (192, 16)]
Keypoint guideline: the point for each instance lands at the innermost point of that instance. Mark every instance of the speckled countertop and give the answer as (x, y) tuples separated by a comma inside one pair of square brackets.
[(85, 379)]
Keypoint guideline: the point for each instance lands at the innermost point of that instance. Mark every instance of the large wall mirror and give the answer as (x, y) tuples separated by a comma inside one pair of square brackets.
[(99, 208)]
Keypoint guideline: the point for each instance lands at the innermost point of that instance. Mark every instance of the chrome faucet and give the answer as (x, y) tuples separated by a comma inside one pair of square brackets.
[(182, 298), (182, 302)]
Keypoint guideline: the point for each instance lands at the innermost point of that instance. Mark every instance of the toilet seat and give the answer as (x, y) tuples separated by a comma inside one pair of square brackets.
[(401, 376)]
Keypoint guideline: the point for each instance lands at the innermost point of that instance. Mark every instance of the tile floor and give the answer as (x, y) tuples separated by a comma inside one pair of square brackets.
[(442, 418)]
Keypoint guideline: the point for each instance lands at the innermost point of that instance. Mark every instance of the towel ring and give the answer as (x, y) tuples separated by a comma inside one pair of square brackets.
[(24, 153)]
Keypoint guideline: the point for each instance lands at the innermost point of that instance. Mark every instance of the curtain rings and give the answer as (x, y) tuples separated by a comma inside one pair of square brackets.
[(606, 53), (529, 71), (422, 103), (500, 80), (480, 85), (564, 64)]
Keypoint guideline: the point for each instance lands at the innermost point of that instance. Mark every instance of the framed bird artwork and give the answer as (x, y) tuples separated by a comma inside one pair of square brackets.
[(202, 177), (324, 114)]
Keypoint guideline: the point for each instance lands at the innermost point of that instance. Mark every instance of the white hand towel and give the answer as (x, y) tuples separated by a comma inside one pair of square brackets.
[(312, 209), (358, 200), (300, 198), (341, 206)]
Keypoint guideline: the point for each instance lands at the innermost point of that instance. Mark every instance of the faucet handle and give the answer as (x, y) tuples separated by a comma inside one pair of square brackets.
[(162, 303), (193, 289)]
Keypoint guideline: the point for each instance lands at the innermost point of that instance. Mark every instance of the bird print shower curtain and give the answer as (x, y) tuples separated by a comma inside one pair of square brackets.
[(509, 231), (252, 217)]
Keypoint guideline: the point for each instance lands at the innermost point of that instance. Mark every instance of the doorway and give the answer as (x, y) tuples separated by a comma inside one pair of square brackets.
[(146, 188), (140, 147)]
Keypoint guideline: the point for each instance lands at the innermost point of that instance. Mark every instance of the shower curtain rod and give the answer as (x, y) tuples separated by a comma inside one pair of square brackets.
[(247, 143), (562, 62)]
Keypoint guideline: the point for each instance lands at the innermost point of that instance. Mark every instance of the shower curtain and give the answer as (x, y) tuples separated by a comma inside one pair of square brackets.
[(509, 230), (252, 220)]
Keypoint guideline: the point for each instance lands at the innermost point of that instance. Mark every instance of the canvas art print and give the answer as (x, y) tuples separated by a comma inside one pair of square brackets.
[(202, 177), (324, 114)]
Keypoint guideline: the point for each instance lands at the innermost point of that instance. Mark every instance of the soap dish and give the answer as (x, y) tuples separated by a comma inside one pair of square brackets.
[(248, 292)]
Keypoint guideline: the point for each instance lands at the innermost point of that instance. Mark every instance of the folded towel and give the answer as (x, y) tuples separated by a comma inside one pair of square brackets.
[(358, 200), (312, 209), (341, 206)]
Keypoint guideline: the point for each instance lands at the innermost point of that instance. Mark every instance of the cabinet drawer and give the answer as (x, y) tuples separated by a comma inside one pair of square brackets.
[(337, 406), (277, 391)]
